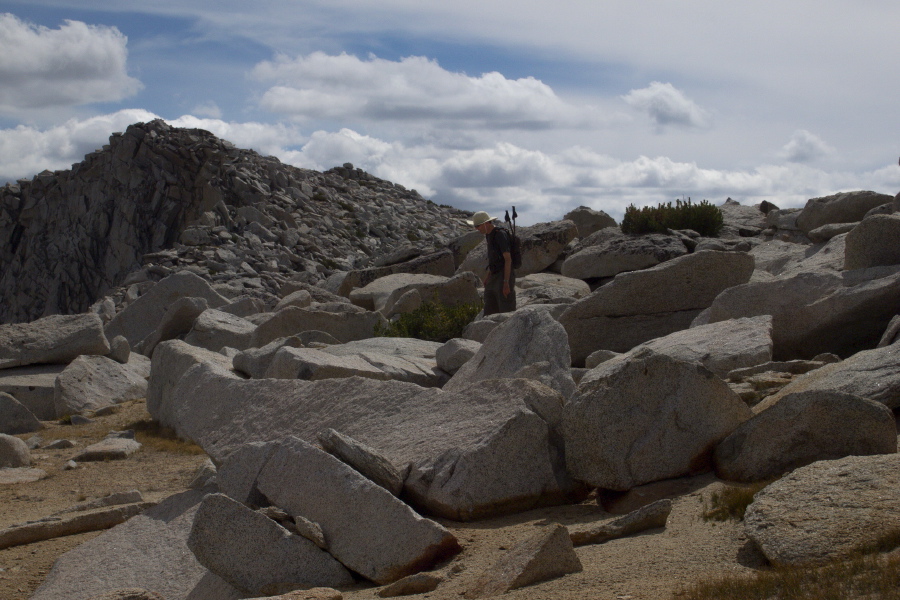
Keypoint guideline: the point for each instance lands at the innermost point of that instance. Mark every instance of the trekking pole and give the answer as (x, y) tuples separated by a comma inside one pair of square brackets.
[(515, 214)]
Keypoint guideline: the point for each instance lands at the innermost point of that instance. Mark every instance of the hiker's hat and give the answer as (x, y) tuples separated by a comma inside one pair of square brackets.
[(480, 218)]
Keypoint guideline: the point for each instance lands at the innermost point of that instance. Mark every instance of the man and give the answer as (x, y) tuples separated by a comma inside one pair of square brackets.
[(500, 280)]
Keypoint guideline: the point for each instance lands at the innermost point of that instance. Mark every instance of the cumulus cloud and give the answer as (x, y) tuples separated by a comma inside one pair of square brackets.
[(74, 65), (26, 150), (666, 105), (415, 89), (805, 147), (543, 185)]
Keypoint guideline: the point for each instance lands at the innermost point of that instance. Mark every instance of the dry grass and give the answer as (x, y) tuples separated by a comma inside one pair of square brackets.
[(870, 574), (873, 577), (731, 502), (152, 434)]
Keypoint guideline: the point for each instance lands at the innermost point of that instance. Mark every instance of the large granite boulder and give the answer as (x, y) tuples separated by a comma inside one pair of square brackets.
[(720, 347), (384, 294), (381, 538), (53, 339), (254, 362), (817, 312), (873, 243), (215, 329), (801, 428), (527, 339), (649, 418), (825, 511), (143, 316), (642, 305), (846, 207), (345, 322), (542, 245), (148, 551), (488, 449), (587, 220), (15, 418), (92, 382), (14, 452), (611, 252), (872, 374), (455, 353), (176, 321), (251, 551), (171, 360), (314, 365), (440, 263)]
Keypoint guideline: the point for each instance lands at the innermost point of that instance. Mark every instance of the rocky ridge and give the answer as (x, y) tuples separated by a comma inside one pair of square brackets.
[(158, 199)]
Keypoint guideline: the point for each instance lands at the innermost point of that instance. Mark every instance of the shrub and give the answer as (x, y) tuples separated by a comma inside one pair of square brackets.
[(704, 218), (433, 322), (732, 502)]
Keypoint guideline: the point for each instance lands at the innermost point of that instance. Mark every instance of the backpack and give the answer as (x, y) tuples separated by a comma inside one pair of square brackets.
[(515, 245)]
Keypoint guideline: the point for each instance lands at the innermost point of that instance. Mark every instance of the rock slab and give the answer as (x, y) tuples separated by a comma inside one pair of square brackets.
[(827, 510)]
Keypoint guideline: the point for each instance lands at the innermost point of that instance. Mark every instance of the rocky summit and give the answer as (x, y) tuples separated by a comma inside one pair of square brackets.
[(242, 303), (158, 199)]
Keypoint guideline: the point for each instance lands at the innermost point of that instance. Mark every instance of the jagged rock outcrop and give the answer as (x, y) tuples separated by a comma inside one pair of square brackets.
[(163, 198)]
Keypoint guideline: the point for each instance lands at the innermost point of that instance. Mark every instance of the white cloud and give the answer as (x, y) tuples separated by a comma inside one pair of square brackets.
[(805, 147), (209, 110), (543, 185), (666, 105), (26, 150), (415, 89), (74, 65)]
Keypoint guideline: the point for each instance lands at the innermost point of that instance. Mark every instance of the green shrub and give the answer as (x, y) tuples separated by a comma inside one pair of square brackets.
[(433, 321), (704, 218)]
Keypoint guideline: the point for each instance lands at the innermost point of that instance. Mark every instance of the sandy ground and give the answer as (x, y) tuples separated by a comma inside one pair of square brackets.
[(649, 566)]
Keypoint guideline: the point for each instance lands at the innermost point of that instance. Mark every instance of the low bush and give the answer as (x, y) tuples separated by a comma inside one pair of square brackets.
[(704, 218), (150, 433), (433, 321), (732, 502)]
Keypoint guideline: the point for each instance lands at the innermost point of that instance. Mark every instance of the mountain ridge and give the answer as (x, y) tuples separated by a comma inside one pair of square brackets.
[(70, 237)]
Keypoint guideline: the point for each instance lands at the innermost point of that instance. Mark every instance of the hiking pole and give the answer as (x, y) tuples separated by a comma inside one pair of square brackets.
[(515, 214)]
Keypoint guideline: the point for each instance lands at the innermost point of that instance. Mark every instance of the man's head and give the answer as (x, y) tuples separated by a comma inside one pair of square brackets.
[(482, 221)]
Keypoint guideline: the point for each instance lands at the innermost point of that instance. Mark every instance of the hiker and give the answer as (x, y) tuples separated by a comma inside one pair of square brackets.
[(500, 280)]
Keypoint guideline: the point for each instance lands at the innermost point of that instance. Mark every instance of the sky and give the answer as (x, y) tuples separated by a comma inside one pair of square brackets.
[(545, 105)]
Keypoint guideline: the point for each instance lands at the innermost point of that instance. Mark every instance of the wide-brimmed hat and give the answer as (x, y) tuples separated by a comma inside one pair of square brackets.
[(480, 218)]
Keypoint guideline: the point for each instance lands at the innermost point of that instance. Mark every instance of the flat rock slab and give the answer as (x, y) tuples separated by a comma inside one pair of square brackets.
[(380, 538), (34, 387), (251, 551), (652, 516), (55, 527), (720, 347), (14, 475), (545, 555), (639, 306), (53, 339), (872, 374), (483, 450), (827, 510), (148, 551), (108, 449)]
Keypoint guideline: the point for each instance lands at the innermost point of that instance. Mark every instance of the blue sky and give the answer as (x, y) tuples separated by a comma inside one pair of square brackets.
[(479, 104)]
